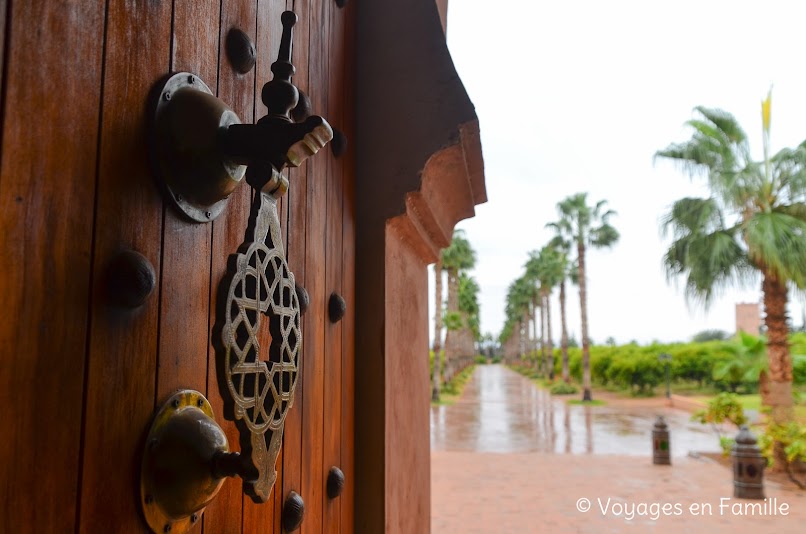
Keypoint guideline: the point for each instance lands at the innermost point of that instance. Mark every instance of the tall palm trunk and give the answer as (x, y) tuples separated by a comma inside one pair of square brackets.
[(453, 290), (535, 348), (524, 328), (583, 306), (543, 369), (550, 346), (435, 377), (453, 307), (764, 387), (533, 338), (564, 335), (779, 359)]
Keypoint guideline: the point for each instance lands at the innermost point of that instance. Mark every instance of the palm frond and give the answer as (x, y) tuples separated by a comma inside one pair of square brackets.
[(741, 187), (692, 216), (718, 150), (460, 254), (725, 121), (777, 241), (708, 130), (468, 294), (709, 262), (562, 239), (693, 159), (789, 170), (796, 210), (597, 209), (604, 236)]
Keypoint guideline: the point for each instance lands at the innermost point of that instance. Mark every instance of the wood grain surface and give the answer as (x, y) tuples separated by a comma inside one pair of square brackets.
[(47, 194), (225, 513), (122, 359)]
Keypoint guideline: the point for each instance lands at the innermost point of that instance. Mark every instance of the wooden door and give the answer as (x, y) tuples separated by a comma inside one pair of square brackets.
[(80, 378)]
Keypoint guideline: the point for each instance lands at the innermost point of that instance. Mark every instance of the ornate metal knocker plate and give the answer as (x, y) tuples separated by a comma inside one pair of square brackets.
[(262, 391)]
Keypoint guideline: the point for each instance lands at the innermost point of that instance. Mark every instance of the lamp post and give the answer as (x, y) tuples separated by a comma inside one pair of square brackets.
[(666, 359)]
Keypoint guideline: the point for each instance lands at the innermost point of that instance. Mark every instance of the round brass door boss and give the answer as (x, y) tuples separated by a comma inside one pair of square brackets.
[(177, 481)]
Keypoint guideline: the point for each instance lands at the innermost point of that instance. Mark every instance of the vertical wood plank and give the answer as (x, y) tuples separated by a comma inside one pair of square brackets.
[(275, 32), (3, 22), (347, 497), (185, 285), (297, 223), (266, 517), (225, 513), (123, 343), (270, 30), (332, 428), (186, 265), (47, 188), (315, 266)]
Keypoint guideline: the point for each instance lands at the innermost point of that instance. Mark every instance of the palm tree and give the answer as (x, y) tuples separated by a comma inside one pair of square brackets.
[(563, 247), (536, 301), (754, 221), (552, 272), (546, 269), (586, 226), (505, 337), (537, 342), (459, 256), (435, 374), (519, 296)]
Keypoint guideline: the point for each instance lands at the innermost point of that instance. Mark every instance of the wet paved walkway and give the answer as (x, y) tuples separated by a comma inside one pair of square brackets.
[(501, 411), (509, 458)]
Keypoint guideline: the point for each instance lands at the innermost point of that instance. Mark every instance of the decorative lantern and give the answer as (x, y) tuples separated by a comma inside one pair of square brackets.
[(748, 466), (661, 454)]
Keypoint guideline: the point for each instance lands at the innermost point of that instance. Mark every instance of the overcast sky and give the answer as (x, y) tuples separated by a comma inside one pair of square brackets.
[(577, 96)]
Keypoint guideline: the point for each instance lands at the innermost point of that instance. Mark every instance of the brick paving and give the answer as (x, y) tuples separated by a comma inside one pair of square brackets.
[(524, 492)]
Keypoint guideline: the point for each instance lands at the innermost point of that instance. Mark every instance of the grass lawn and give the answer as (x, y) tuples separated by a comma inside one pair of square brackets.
[(547, 384), (594, 402), (445, 400), (451, 392)]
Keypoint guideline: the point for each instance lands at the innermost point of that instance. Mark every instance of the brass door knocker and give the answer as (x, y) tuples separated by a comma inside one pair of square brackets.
[(262, 391)]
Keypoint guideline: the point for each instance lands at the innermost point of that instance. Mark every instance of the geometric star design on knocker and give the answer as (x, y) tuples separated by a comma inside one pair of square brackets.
[(262, 390)]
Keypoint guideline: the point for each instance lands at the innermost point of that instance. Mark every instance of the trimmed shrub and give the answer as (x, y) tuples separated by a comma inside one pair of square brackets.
[(799, 370), (563, 389)]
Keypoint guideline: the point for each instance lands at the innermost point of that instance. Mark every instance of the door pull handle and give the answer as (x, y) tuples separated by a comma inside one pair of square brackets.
[(200, 150)]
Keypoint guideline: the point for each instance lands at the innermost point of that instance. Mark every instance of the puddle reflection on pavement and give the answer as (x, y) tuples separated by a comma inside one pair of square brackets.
[(502, 411)]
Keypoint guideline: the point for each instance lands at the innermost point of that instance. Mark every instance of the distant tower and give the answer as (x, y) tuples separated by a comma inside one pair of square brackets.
[(748, 318)]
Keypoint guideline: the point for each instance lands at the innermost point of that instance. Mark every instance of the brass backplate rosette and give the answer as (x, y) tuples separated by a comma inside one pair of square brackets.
[(186, 127), (176, 480)]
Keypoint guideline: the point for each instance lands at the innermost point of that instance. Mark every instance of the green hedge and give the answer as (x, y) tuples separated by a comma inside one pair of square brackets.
[(798, 342), (637, 368)]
